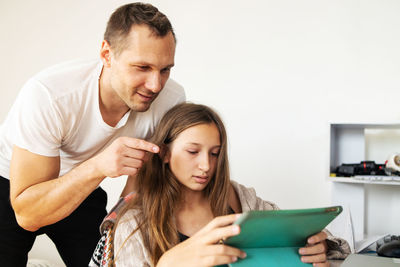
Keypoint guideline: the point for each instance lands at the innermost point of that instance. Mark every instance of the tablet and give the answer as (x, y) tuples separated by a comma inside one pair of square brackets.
[(279, 233)]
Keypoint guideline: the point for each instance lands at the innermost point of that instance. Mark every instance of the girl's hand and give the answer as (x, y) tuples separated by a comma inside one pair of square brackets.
[(204, 248), (315, 250)]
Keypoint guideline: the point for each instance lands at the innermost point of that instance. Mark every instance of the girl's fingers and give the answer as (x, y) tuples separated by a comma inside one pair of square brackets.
[(319, 258), (224, 250), (218, 260), (312, 250), (321, 236), (322, 264), (217, 222), (221, 221), (217, 235)]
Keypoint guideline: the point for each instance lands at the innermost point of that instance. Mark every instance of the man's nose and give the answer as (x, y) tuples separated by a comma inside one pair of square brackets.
[(153, 82)]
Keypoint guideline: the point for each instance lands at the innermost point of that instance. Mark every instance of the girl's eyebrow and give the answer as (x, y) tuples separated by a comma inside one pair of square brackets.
[(193, 143), (197, 144)]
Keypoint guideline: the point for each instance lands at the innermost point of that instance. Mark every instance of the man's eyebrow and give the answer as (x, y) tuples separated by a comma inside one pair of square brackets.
[(144, 63), (169, 66)]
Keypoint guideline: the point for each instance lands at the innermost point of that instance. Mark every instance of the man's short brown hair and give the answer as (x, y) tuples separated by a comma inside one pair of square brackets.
[(123, 18)]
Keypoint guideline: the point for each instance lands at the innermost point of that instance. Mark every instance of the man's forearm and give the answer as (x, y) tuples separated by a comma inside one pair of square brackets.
[(48, 202)]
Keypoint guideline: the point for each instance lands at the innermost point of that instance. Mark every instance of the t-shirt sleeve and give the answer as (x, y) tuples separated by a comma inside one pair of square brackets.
[(37, 124)]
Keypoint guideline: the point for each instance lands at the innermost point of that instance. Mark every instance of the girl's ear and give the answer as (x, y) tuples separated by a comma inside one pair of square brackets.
[(165, 153)]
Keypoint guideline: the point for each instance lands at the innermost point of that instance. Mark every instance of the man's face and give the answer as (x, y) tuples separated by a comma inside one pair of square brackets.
[(140, 71)]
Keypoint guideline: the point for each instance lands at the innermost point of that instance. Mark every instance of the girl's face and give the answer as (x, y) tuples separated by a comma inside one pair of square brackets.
[(193, 155)]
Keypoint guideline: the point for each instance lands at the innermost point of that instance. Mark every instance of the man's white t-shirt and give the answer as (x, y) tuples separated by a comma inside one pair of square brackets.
[(57, 114)]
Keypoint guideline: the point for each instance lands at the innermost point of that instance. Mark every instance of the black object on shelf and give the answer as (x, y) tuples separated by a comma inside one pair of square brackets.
[(389, 246), (362, 168)]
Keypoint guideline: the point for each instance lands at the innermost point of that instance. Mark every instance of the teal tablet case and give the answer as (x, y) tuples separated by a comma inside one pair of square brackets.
[(273, 238)]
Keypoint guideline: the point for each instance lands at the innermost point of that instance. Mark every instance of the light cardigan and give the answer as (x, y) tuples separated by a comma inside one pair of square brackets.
[(132, 252)]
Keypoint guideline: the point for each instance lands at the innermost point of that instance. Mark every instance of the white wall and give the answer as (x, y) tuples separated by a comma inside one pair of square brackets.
[(277, 71)]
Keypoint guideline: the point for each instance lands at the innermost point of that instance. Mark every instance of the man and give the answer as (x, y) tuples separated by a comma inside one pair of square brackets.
[(68, 130)]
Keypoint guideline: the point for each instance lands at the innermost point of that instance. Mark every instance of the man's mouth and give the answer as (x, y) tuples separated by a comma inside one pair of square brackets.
[(145, 97)]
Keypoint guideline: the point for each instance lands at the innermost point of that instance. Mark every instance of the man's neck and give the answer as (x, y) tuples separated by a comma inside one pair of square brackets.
[(112, 108)]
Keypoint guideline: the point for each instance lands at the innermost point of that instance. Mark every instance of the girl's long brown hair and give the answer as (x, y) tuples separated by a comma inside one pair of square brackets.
[(159, 192)]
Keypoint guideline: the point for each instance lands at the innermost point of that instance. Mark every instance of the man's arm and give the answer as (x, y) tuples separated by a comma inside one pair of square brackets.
[(39, 197)]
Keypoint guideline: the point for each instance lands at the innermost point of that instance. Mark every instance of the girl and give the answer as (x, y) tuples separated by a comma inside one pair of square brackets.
[(186, 203)]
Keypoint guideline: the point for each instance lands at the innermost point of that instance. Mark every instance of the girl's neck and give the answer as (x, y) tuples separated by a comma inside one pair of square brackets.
[(192, 199), (194, 212)]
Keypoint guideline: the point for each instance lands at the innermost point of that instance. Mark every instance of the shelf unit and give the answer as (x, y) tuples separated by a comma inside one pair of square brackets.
[(369, 202), (358, 181)]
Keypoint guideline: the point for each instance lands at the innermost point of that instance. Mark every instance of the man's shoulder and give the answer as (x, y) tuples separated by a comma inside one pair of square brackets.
[(172, 94), (68, 76), (173, 89), (70, 66)]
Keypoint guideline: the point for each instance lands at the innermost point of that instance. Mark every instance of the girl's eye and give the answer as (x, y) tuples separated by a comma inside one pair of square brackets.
[(215, 154), (192, 152)]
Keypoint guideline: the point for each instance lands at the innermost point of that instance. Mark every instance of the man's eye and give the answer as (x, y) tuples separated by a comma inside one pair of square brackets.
[(167, 70), (143, 68)]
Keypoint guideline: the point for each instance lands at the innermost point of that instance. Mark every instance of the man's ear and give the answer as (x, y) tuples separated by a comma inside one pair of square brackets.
[(105, 53)]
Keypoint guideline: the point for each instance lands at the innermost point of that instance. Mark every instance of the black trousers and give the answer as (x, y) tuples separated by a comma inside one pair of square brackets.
[(75, 237)]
